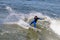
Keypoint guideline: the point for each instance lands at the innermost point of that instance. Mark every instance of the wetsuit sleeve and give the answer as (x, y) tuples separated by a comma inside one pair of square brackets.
[(41, 18)]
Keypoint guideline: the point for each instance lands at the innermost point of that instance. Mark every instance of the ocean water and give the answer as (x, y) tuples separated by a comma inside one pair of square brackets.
[(50, 8), (12, 11)]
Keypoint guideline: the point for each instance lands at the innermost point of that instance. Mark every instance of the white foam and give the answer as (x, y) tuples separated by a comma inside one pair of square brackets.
[(23, 24), (9, 8), (55, 26), (21, 17)]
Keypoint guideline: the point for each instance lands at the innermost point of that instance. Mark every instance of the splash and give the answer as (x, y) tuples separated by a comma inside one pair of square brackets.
[(55, 26), (19, 19), (15, 18), (23, 24)]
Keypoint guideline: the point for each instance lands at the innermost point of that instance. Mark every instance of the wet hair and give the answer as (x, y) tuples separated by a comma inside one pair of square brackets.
[(35, 16)]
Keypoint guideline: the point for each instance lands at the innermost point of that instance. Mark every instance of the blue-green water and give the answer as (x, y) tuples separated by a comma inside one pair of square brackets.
[(20, 12), (50, 8)]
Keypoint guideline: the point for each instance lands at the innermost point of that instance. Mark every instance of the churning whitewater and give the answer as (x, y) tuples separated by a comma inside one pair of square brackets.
[(14, 18), (55, 26)]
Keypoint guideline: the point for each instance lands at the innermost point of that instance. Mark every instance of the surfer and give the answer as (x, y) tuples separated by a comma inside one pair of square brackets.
[(35, 21)]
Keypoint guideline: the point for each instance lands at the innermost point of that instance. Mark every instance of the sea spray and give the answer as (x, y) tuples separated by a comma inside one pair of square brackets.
[(55, 26), (10, 18), (23, 24)]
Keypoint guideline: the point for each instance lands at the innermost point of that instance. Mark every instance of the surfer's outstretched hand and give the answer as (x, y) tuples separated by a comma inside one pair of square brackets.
[(45, 18)]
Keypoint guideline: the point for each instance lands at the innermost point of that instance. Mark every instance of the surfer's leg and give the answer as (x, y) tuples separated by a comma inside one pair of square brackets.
[(34, 24)]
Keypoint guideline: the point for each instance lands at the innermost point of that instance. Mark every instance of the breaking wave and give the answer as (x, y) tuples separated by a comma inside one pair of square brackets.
[(19, 18)]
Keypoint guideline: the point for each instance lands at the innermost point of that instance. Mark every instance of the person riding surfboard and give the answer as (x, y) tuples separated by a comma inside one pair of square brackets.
[(35, 21)]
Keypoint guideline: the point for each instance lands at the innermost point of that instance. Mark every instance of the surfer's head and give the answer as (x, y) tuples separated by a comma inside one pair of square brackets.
[(35, 17)]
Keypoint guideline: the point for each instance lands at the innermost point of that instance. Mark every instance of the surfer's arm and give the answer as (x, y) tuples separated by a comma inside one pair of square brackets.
[(41, 18)]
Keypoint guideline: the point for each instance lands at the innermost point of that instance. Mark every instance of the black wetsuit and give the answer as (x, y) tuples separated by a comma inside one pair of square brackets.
[(35, 20)]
